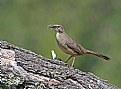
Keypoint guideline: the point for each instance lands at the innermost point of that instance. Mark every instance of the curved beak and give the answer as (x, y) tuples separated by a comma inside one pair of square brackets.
[(50, 26)]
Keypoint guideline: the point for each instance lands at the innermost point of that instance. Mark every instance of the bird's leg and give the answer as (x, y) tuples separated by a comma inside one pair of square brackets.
[(68, 59), (73, 61)]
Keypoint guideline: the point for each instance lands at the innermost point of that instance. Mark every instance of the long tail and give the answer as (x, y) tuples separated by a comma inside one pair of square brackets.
[(98, 54)]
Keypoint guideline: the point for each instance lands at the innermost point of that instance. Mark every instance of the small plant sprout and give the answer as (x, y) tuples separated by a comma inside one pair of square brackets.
[(53, 54)]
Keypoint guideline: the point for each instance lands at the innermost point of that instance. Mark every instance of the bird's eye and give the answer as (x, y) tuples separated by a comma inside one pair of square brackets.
[(54, 26)]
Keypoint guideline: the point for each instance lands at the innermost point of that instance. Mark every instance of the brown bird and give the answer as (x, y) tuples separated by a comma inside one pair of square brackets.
[(69, 46)]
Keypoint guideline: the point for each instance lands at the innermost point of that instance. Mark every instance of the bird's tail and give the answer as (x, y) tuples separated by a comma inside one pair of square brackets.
[(98, 54)]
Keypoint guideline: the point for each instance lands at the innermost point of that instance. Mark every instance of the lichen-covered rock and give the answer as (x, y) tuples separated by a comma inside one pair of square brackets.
[(23, 69)]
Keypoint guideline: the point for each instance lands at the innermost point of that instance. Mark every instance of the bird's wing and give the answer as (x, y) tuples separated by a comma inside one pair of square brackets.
[(74, 46)]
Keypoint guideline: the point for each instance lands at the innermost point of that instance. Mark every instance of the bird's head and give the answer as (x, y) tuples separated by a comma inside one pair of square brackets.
[(57, 28)]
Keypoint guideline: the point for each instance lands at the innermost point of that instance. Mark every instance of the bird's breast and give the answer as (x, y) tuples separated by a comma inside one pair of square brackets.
[(62, 43), (60, 38)]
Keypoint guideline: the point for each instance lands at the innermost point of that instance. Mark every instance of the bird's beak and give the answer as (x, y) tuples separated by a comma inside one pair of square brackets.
[(50, 26)]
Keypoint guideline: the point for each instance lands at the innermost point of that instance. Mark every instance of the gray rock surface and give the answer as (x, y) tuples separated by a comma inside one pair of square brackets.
[(23, 69)]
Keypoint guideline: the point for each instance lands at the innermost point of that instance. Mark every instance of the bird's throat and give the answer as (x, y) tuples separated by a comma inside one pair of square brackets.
[(57, 35)]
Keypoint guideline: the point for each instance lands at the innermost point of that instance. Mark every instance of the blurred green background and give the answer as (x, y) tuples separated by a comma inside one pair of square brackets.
[(95, 24)]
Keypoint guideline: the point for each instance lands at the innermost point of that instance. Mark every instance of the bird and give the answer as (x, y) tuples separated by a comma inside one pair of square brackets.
[(70, 46)]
